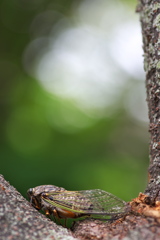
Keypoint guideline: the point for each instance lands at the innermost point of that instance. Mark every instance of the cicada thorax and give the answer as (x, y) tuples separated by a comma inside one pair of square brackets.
[(44, 189)]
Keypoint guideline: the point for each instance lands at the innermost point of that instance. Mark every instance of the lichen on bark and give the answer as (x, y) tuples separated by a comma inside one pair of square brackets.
[(150, 22)]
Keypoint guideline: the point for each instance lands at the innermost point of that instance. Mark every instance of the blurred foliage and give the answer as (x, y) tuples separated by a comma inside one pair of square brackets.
[(46, 139)]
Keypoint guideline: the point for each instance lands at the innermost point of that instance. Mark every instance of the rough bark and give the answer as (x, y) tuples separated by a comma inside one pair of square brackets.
[(150, 22), (20, 221)]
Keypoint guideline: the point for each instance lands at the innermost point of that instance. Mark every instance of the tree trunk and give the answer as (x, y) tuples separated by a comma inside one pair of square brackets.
[(19, 220), (150, 21)]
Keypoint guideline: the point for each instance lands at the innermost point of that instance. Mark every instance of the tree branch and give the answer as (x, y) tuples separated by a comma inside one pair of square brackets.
[(20, 221)]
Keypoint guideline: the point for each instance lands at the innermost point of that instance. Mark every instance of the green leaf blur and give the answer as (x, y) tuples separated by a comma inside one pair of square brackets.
[(50, 138)]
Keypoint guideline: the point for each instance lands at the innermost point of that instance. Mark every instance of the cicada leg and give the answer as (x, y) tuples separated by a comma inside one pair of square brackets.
[(58, 218), (47, 212), (65, 222), (52, 215)]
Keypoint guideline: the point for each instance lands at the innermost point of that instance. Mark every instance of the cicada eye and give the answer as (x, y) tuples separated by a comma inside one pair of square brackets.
[(30, 192)]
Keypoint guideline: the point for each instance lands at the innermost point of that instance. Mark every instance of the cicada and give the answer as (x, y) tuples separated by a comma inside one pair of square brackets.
[(65, 204)]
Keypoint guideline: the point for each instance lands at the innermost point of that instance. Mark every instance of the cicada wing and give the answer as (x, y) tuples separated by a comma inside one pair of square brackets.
[(89, 202), (104, 203)]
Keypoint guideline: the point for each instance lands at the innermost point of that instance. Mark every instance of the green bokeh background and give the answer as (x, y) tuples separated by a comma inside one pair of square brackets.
[(110, 152)]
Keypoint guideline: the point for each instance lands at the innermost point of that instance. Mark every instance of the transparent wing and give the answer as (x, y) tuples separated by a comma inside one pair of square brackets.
[(94, 201)]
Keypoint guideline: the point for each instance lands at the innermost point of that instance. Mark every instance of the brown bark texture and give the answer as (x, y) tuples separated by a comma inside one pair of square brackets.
[(150, 22), (20, 221)]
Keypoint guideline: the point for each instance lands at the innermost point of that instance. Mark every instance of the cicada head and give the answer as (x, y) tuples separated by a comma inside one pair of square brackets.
[(35, 199), (35, 194)]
